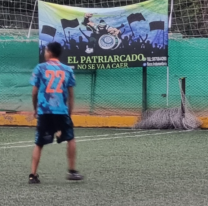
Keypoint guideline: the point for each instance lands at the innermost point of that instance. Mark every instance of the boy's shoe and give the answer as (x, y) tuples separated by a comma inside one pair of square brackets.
[(34, 179), (74, 175)]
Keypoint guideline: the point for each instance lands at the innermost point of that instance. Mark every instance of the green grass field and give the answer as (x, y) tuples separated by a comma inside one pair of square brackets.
[(122, 168)]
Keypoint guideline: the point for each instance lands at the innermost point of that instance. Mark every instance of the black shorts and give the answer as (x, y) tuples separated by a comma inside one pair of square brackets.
[(49, 124)]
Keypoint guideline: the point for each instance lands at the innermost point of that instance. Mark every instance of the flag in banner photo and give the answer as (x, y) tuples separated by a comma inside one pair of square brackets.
[(135, 17), (48, 30), (69, 23), (157, 25)]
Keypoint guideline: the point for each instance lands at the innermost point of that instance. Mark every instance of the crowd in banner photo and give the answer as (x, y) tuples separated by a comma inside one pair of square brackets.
[(117, 38)]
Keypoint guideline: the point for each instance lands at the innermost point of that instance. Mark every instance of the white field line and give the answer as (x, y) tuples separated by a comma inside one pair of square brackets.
[(101, 135), (108, 128), (107, 138)]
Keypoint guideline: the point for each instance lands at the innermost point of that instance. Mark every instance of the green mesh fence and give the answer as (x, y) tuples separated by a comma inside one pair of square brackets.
[(188, 58), (111, 92)]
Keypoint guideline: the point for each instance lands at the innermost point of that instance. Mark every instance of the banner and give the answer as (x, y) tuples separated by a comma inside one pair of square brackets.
[(106, 38)]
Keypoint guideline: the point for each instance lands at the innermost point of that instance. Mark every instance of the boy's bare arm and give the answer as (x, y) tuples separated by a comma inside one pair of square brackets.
[(71, 99), (35, 98)]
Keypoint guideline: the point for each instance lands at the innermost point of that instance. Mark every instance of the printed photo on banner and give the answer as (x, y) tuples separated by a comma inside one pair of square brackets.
[(107, 38)]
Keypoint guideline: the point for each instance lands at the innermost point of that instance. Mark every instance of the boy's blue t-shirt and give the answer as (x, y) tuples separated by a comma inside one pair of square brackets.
[(53, 79)]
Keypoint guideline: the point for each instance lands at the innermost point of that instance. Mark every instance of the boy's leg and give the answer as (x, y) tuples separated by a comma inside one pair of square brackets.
[(44, 135), (65, 127), (33, 177), (71, 154), (35, 159)]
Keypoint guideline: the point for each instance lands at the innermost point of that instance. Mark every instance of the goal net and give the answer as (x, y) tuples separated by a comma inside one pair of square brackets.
[(181, 117), (189, 17)]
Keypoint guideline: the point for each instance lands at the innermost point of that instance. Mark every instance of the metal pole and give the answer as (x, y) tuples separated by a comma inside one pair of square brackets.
[(29, 31), (167, 92), (183, 88), (171, 14), (144, 89), (93, 86)]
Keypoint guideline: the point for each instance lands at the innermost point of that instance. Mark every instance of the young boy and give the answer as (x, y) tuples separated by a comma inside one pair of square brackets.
[(53, 99)]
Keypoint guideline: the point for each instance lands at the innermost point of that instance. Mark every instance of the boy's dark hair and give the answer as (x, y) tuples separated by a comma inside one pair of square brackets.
[(55, 49)]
